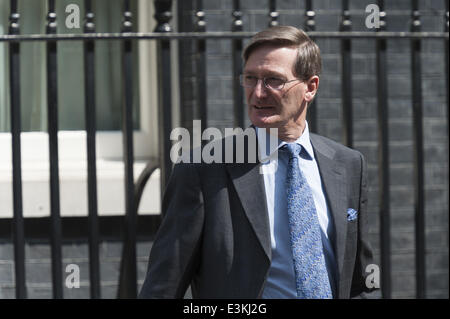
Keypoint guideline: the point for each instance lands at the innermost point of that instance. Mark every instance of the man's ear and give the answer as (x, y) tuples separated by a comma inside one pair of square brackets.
[(311, 88)]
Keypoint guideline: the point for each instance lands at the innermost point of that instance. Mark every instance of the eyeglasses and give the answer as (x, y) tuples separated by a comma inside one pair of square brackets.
[(250, 81)]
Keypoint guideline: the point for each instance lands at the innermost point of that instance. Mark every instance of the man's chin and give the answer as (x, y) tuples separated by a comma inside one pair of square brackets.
[(265, 122)]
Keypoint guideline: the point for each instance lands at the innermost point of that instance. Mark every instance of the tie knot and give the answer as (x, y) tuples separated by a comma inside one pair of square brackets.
[(293, 149)]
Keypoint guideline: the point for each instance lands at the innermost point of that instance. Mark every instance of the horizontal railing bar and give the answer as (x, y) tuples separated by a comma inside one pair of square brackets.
[(215, 35)]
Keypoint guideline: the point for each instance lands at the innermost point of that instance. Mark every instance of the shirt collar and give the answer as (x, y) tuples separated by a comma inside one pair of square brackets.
[(303, 140)]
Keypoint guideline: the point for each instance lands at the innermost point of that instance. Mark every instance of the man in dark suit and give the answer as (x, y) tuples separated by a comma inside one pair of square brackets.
[(294, 226)]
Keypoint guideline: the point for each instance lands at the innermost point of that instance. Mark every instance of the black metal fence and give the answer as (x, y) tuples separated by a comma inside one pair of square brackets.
[(163, 35)]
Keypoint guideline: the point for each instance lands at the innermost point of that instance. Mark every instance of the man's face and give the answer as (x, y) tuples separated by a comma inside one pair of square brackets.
[(285, 108)]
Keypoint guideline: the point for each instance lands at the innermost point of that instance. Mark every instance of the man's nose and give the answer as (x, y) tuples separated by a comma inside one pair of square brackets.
[(260, 89)]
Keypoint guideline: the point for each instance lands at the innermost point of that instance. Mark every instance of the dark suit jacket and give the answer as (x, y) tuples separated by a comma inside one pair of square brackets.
[(215, 232)]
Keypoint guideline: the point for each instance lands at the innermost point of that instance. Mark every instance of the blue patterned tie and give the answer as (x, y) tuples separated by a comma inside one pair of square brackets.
[(309, 262)]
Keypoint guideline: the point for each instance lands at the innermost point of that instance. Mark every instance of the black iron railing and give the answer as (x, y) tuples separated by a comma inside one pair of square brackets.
[(90, 120), (383, 158), (163, 34)]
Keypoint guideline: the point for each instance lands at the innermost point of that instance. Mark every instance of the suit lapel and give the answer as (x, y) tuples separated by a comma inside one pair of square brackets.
[(249, 185), (333, 178)]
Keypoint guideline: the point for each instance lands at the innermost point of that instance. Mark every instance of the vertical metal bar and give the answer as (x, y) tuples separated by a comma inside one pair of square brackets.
[(201, 66), (446, 59), (346, 76), (383, 158), (163, 15), (18, 222), (238, 96), (90, 119), (310, 25), (52, 100), (273, 13), (128, 273), (419, 199)]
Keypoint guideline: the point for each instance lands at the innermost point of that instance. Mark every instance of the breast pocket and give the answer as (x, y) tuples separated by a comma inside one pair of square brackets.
[(352, 226)]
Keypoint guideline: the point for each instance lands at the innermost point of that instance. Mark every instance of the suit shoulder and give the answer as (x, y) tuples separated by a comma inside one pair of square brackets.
[(327, 144)]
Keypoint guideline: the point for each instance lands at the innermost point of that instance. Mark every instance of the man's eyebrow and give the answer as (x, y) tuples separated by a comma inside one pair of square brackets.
[(265, 73)]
